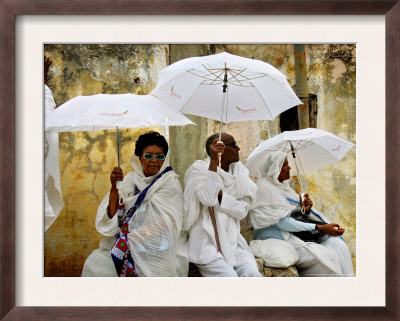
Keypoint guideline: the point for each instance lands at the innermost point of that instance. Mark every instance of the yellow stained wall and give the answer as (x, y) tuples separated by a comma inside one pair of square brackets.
[(86, 159)]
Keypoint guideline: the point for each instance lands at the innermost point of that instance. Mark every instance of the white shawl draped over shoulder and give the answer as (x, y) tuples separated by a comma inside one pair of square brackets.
[(271, 204), (157, 243), (236, 184)]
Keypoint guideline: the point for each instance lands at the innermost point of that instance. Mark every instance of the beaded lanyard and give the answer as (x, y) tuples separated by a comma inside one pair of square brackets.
[(120, 252)]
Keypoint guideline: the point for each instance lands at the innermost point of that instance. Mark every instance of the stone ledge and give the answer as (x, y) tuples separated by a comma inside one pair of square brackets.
[(267, 271)]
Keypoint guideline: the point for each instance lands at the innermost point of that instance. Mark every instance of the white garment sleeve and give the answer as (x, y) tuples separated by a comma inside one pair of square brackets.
[(291, 225), (236, 208), (208, 193), (106, 226)]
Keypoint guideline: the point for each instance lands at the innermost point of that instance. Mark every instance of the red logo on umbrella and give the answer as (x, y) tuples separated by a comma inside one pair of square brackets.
[(337, 149), (245, 111), (174, 94)]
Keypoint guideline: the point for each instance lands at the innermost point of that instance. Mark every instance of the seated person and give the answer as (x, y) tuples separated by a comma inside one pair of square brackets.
[(270, 218), (142, 230), (215, 200)]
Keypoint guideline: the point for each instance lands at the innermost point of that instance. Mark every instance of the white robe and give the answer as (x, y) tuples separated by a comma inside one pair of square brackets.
[(53, 201), (157, 243), (328, 258), (201, 191)]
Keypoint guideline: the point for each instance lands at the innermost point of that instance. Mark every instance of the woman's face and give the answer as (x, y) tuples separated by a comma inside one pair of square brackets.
[(151, 166), (285, 172)]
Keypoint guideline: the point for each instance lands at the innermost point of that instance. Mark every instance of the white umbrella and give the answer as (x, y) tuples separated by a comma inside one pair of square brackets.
[(313, 148), (227, 88), (251, 89), (113, 111)]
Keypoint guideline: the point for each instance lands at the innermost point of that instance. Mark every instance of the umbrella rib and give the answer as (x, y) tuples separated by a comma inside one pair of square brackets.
[(214, 81), (205, 75), (212, 72), (300, 144), (282, 145), (235, 75), (247, 78), (217, 79)]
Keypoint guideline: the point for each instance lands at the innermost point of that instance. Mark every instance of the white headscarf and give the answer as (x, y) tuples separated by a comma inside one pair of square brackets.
[(271, 204), (271, 168)]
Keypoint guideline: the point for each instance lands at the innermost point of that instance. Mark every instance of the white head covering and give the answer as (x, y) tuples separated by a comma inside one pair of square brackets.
[(271, 204), (271, 168)]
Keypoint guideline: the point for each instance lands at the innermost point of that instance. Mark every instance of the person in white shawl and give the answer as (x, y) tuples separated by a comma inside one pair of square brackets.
[(157, 244), (270, 218), (53, 201), (217, 247)]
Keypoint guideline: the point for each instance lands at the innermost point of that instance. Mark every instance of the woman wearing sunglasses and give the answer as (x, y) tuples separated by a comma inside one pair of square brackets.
[(142, 228)]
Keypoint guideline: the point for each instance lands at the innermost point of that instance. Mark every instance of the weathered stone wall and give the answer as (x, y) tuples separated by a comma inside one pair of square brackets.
[(332, 77), (87, 158)]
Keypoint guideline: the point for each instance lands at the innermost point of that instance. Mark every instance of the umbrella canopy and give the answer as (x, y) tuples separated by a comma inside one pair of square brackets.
[(314, 148), (113, 111), (108, 111), (255, 89)]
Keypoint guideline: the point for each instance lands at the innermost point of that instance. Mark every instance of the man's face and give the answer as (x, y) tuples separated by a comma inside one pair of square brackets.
[(231, 153)]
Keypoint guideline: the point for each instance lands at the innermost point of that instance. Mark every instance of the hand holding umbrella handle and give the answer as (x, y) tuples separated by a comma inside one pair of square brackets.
[(306, 204), (116, 178)]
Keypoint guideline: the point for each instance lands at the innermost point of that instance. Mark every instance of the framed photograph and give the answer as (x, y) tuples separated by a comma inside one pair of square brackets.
[(26, 294)]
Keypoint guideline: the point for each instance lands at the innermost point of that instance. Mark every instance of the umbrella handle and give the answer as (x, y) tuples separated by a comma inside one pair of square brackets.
[(120, 193), (303, 209), (219, 154)]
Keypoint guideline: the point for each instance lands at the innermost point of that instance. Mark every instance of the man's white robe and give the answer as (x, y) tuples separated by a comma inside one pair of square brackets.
[(201, 191)]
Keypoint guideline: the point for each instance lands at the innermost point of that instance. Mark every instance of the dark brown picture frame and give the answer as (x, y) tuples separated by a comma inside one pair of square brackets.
[(10, 9)]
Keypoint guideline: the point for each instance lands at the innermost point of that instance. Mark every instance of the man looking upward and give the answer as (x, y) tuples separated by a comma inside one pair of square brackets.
[(215, 200)]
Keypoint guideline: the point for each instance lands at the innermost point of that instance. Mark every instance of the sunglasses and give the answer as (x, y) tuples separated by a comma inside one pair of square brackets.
[(233, 144), (149, 156)]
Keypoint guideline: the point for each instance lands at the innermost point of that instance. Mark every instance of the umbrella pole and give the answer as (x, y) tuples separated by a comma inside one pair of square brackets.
[(297, 168), (298, 173), (119, 183), (117, 146), (222, 112)]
